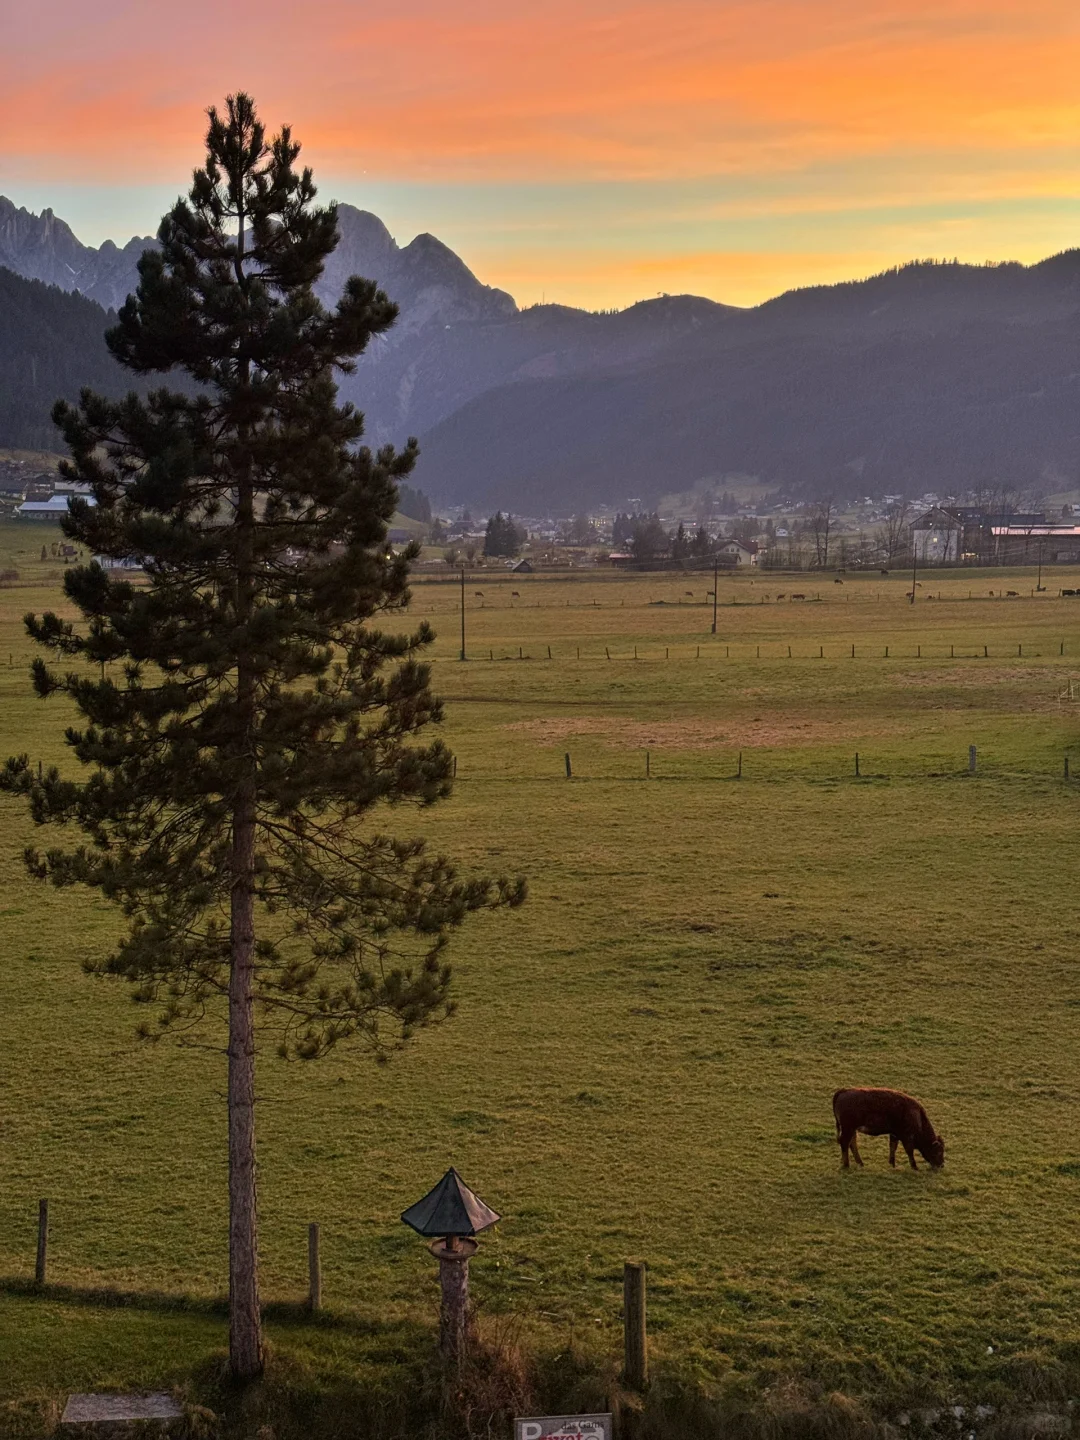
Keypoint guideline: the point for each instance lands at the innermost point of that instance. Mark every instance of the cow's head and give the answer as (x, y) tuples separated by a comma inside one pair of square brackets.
[(935, 1152)]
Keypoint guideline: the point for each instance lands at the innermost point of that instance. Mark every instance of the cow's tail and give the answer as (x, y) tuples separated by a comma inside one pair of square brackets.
[(836, 1110)]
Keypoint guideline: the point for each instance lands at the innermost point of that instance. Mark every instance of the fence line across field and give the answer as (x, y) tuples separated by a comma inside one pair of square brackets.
[(651, 770), (764, 650)]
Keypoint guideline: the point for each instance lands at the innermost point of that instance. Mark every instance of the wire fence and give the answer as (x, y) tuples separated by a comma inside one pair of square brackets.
[(769, 650), (773, 765)]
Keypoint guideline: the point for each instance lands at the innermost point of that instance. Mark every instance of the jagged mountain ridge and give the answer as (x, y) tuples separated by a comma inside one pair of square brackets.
[(43, 247), (929, 374), (454, 338)]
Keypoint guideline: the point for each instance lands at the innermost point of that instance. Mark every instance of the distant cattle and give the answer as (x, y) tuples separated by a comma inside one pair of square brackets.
[(1070, 592), (884, 572), (478, 594), (515, 594), (865, 1111), (782, 596), (1012, 594), (690, 594), (838, 581), (798, 597)]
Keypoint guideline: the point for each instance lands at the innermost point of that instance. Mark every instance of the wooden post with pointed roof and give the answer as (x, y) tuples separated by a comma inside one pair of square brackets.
[(453, 1214)]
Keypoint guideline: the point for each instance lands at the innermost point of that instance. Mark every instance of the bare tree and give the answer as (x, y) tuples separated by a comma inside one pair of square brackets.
[(820, 526), (892, 533)]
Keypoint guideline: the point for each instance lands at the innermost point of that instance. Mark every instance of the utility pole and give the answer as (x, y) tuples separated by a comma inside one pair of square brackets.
[(462, 655), (914, 567), (715, 576), (1038, 582)]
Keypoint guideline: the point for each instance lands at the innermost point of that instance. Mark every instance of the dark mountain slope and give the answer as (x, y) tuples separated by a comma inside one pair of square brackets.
[(51, 345), (418, 375), (903, 411)]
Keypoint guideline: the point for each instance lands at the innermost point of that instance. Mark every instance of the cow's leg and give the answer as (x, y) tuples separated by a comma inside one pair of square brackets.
[(910, 1155), (855, 1149), (893, 1139), (843, 1141)]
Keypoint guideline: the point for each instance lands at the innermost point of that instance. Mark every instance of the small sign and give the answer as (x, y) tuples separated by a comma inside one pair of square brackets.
[(119, 1409), (563, 1427)]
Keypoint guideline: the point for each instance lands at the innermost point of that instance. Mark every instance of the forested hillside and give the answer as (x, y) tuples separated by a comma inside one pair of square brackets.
[(51, 345)]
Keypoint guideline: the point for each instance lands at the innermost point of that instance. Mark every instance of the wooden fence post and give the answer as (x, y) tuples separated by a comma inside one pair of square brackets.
[(635, 1346), (738, 772), (314, 1265), (856, 764), (41, 1263), (569, 772), (973, 757), (647, 767)]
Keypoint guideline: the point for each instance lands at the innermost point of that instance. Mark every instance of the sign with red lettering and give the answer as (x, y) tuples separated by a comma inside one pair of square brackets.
[(563, 1427)]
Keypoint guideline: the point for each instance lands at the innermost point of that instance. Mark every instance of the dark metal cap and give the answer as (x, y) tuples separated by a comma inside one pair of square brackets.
[(450, 1209)]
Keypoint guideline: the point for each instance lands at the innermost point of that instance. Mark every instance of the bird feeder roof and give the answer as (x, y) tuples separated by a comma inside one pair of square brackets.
[(451, 1208)]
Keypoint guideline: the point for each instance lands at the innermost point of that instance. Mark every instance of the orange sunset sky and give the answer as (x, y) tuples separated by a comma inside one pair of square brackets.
[(587, 151)]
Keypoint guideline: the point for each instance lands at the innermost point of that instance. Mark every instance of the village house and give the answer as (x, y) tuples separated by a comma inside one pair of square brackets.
[(738, 554)]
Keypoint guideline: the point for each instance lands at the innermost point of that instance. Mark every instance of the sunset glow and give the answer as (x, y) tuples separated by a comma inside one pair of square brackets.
[(590, 152)]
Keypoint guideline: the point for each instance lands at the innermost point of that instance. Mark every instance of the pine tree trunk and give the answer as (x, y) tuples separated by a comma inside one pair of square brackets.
[(245, 1318), (245, 1323)]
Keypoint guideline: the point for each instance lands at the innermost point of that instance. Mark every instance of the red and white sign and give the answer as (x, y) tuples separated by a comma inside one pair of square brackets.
[(563, 1427)]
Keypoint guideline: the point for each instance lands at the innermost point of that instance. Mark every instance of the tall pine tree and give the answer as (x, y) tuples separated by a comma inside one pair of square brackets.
[(243, 712)]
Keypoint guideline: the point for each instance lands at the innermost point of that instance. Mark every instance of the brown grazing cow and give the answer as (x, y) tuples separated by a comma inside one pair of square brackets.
[(886, 1112)]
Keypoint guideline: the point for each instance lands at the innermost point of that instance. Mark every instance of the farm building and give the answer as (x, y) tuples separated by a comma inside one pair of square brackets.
[(946, 534), (1028, 544), (55, 508)]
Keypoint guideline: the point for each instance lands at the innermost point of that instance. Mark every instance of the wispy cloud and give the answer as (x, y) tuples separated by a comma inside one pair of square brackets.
[(737, 110)]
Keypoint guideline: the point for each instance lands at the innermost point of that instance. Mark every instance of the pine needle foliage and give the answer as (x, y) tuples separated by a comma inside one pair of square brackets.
[(247, 708)]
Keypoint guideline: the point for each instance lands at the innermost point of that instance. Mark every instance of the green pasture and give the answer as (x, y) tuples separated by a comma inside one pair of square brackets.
[(644, 1056)]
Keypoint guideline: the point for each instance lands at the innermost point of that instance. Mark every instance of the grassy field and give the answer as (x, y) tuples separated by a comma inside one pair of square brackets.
[(644, 1056)]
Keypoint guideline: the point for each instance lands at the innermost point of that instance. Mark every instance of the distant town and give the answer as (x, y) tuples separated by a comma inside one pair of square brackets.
[(709, 525)]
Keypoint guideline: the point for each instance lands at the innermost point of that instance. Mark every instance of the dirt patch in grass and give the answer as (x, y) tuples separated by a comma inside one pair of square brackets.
[(976, 677), (697, 733), (1026, 688)]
